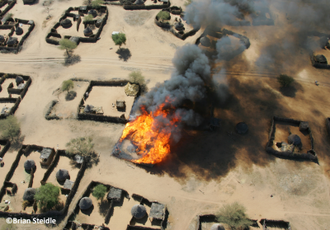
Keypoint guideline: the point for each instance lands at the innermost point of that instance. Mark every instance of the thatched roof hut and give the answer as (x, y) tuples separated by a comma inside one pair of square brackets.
[(12, 41), (88, 32), (29, 164), (19, 31), (294, 139), (205, 41), (179, 26), (92, 12), (139, 2), (217, 227), (85, 203), (19, 80), (66, 23), (303, 126), (241, 128), (138, 211), (62, 175), (29, 194)]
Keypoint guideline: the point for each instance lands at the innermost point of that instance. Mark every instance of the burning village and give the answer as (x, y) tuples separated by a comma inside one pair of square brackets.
[(164, 114)]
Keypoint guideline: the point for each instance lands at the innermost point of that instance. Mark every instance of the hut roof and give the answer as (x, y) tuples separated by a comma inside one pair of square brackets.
[(320, 58), (85, 203), (66, 23), (179, 26), (294, 139), (19, 80), (217, 227), (19, 31), (62, 175), (45, 153), (88, 31), (68, 184), (29, 164), (242, 128), (120, 104), (138, 211), (139, 2), (115, 194), (205, 41), (2, 38), (157, 211), (12, 41), (75, 39), (131, 89), (303, 126), (78, 159), (29, 194)]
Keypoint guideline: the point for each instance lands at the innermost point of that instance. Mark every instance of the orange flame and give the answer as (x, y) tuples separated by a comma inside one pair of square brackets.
[(150, 135)]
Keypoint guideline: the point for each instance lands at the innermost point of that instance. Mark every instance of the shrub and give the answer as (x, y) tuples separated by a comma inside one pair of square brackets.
[(88, 18), (67, 85), (119, 39), (82, 145), (163, 15), (99, 191), (96, 3), (138, 78), (68, 45), (233, 215), (10, 128), (285, 80), (47, 196)]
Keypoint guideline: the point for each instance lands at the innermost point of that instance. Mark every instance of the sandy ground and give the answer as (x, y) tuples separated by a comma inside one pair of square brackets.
[(206, 170)]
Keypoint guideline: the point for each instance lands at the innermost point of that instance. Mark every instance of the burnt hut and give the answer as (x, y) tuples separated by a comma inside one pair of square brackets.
[(138, 211), (295, 140), (205, 41), (157, 211), (85, 203), (121, 106), (321, 59), (29, 194), (12, 41), (115, 194), (62, 175), (46, 156)]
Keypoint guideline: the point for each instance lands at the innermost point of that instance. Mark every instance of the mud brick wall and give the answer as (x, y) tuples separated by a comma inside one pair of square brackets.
[(6, 146)]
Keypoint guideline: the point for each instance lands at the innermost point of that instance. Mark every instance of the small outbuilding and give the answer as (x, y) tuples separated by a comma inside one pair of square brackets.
[(19, 80), (12, 41), (62, 175), (121, 106), (85, 203), (29, 194), (321, 59), (138, 211), (29, 165), (115, 194), (68, 184), (46, 156)]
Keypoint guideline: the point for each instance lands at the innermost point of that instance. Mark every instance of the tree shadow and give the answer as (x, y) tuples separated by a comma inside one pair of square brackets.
[(17, 142), (71, 60), (291, 90), (104, 207), (124, 54)]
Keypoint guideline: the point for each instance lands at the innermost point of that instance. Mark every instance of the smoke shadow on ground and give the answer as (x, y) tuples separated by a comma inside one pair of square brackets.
[(211, 155), (124, 54)]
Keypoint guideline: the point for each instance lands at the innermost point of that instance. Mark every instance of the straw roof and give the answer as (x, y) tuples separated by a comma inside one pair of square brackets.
[(62, 175), (131, 89), (66, 23), (242, 128), (45, 152), (68, 184), (303, 126), (217, 227), (29, 194), (88, 31), (294, 139), (138, 211), (85, 203), (12, 41), (29, 164), (115, 194)]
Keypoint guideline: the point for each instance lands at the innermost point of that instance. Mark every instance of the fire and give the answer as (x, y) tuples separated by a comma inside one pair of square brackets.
[(151, 135)]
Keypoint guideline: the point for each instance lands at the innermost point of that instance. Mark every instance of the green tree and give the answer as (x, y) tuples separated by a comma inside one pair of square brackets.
[(163, 15), (119, 39), (10, 128), (99, 191), (47, 196), (88, 18), (67, 85), (285, 80), (96, 3), (68, 45), (82, 146), (138, 78), (233, 215)]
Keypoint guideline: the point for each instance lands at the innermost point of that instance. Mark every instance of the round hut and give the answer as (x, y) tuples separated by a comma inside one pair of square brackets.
[(2, 39), (241, 128), (179, 26), (19, 80), (12, 41), (139, 2), (93, 13), (29, 164), (62, 175), (138, 211), (19, 31), (217, 227), (205, 41), (66, 23), (294, 139), (85, 203), (88, 32), (29, 194)]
